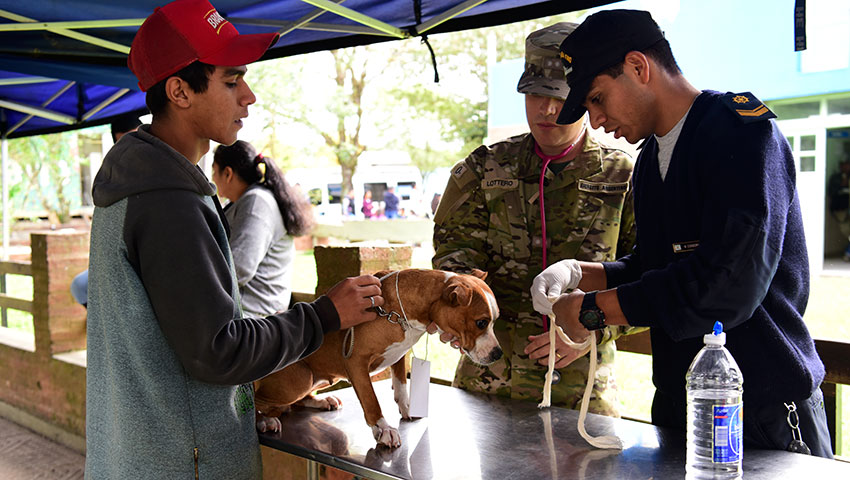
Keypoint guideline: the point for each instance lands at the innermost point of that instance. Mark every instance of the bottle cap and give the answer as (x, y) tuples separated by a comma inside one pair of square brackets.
[(716, 337)]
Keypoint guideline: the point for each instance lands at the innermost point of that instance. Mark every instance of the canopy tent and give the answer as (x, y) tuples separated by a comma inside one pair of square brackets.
[(63, 64), (31, 105), (87, 41)]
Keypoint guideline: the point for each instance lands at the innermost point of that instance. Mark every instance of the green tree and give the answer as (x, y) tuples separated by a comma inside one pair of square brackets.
[(388, 88), (462, 59), (47, 166), (337, 116)]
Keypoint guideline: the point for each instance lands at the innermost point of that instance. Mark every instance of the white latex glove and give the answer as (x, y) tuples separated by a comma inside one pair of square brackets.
[(550, 283)]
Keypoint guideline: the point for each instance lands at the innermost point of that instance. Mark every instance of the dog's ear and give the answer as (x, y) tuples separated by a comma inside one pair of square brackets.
[(382, 273), (478, 273), (457, 294)]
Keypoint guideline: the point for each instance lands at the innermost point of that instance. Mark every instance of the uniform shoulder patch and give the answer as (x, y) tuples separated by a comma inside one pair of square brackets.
[(463, 176), (747, 107)]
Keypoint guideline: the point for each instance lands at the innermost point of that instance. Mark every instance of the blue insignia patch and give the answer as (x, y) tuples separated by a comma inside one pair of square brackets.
[(747, 107)]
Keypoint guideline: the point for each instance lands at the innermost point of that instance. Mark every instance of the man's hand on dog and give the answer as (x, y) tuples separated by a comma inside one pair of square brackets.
[(354, 297), (538, 349), (445, 337)]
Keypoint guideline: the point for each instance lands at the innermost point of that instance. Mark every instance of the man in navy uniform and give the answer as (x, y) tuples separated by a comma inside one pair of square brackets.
[(719, 233)]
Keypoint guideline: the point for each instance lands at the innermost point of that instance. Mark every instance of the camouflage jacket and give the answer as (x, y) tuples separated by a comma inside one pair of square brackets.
[(489, 218)]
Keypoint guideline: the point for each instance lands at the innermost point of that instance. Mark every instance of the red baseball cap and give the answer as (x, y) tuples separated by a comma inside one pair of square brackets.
[(184, 31)]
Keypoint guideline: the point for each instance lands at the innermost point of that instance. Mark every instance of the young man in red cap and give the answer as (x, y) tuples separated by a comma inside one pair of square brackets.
[(170, 356), (719, 233)]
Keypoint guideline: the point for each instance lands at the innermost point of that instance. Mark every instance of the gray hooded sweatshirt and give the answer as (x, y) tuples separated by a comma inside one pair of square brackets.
[(170, 357)]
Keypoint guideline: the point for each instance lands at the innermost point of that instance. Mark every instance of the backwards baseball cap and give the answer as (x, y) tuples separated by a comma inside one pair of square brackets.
[(544, 72), (184, 31), (601, 41)]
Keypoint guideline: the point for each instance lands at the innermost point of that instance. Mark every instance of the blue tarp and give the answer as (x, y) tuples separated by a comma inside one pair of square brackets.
[(99, 71)]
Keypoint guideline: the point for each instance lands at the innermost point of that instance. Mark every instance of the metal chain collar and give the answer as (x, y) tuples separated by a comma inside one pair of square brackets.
[(400, 319)]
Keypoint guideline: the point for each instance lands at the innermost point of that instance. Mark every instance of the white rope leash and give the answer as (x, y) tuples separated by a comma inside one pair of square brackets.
[(605, 441)]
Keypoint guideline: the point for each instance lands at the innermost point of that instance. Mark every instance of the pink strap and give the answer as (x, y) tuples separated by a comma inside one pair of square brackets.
[(546, 159)]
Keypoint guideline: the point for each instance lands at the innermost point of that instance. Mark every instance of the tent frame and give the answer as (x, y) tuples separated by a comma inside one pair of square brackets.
[(368, 26), (372, 26)]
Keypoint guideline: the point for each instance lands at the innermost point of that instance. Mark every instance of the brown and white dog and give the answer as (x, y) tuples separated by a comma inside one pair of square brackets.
[(462, 305)]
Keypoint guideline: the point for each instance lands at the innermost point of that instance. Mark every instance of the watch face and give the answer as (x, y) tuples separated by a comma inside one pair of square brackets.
[(592, 319)]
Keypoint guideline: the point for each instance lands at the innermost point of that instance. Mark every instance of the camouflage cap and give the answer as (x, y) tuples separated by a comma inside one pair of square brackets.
[(544, 70)]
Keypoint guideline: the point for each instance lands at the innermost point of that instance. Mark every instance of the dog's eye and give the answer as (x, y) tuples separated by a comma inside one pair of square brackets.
[(482, 324)]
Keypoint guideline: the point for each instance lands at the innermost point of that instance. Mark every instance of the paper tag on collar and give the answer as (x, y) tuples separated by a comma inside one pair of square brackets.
[(420, 380)]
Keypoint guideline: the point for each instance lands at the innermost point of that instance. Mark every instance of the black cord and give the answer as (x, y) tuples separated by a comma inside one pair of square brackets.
[(417, 11)]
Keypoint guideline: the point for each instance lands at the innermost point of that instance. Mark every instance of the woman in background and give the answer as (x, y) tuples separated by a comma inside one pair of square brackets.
[(367, 208), (265, 214)]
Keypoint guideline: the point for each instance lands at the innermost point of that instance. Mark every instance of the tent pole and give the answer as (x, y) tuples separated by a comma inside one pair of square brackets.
[(5, 163)]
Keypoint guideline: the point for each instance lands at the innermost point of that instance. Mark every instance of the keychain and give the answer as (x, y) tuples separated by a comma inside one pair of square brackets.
[(797, 445)]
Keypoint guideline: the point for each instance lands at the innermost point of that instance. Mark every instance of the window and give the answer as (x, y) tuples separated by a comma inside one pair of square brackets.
[(838, 106), (790, 111), (315, 196), (807, 143), (405, 190), (335, 193)]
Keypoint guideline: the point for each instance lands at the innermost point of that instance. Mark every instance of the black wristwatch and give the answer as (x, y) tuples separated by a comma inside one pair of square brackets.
[(590, 315)]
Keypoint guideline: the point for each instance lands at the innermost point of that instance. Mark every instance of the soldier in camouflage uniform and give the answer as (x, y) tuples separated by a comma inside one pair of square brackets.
[(489, 218)]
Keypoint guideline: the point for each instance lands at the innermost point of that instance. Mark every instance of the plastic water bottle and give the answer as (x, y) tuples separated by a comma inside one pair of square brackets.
[(715, 411)]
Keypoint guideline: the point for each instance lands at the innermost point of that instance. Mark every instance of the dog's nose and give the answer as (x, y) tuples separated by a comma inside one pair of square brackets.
[(495, 354)]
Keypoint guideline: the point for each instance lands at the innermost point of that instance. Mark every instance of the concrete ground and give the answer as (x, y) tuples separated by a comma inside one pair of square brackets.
[(26, 455)]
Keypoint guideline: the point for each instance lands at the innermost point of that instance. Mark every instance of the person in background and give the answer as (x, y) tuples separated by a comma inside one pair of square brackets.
[(368, 207), (390, 203), (171, 356), (80, 288), (489, 218), (119, 127), (719, 233), (435, 202), (124, 125), (838, 190), (265, 214), (349, 207), (418, 205)]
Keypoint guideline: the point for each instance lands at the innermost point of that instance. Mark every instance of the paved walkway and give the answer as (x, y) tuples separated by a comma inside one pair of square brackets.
[(26, 455)]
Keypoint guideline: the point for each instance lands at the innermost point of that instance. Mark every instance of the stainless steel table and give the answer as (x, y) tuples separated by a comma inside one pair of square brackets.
[(472, 436)]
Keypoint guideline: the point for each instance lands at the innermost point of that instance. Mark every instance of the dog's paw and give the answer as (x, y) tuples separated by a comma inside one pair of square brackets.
[(332, 403), (328, 402), (268, 424), (385, 434)]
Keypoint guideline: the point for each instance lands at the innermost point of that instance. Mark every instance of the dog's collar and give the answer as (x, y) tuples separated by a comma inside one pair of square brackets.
[(400, 318)]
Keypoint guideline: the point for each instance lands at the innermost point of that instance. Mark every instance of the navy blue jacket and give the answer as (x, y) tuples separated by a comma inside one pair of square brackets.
[(721, 239)]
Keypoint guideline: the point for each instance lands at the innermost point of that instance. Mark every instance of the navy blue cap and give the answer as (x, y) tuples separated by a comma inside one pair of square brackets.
[(601, 41)]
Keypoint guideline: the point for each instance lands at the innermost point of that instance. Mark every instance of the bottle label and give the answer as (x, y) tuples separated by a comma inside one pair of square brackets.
[(728, 433)]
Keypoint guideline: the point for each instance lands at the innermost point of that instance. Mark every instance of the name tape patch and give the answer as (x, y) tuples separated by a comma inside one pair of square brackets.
[(685, 247), (500, 183), (598, 187)]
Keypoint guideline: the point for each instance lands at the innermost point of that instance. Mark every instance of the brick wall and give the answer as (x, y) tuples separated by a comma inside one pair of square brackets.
[(50, 384), (335, 263), (35, 381)]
